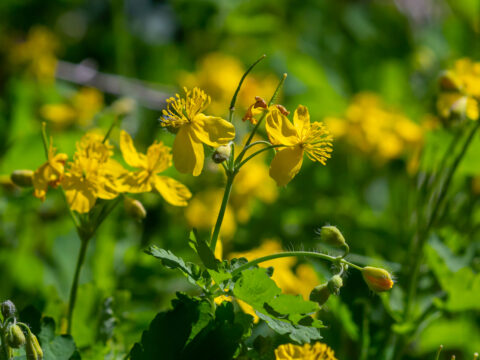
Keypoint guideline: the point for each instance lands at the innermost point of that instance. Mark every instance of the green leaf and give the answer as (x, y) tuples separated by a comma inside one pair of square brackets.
[(171, 261), (299, 333), (203, 250), (256, 288), (291, 304), (60, 347)]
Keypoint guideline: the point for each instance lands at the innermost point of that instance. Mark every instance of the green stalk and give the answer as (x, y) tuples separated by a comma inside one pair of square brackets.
[(5, 355), (234, 98), (107, 135), (73, 291), (45, 139), (258, 152), (223, 207), (291, 254)]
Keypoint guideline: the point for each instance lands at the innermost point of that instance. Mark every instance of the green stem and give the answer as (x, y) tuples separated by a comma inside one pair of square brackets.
[(291, 254), (423, 235), (107, 135), (252, 134), (223, 207), (234, 98), (45, 139), (73, 291), (4, 347), (258, 152)]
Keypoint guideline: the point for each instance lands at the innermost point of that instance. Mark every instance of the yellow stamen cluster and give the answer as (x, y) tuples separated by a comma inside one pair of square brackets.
[(317, 351), (318, 143), (181, 110)]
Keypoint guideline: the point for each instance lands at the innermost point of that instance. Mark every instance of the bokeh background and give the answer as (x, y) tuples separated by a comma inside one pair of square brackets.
[(369, 69)]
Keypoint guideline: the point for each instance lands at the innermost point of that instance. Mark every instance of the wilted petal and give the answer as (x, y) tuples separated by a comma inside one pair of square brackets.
[(286, 164), (173, 192)]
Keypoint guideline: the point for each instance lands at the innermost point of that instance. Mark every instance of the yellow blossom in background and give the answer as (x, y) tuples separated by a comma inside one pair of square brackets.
[(37, 53), (194, 129), (219, 74), (299, 137), (374, 129), (80, 109), (157, 159), (92, 174), (202, 212), (317, 351), (49, 174)]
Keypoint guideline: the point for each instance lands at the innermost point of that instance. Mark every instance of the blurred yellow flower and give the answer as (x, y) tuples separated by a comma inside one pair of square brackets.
[(219, 75), (80, 109), (156, 160), (374, 129), (317, 351), (202, 212), (49, 174), (92, 174), (37, 53), (299, 137), (194, 129)]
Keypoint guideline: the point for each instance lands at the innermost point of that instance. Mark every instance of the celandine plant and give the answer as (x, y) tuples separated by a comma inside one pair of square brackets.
[(210, 324)]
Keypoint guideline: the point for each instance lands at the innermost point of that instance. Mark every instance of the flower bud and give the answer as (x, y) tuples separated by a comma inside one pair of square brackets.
[(8, 309), (377, 279), (134, 208), (22, 178), (334, 284), (449, 82), (282, 109), (123, 106), (332, 236), (221, 153), (320, 294), (15, 336), (32, 348)]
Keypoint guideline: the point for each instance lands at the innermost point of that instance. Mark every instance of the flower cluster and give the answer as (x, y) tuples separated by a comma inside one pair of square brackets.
[(460, 91), (373, 128), (93, 173), (317, 351)]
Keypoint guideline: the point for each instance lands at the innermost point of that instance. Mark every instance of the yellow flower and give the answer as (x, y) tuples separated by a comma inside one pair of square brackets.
[(49, 174), (156, 160), (299, 137), (92, 174), (194, 129), (80, 108), (318, 351)]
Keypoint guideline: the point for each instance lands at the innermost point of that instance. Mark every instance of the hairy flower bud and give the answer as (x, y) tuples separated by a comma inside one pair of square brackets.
[(334, 284), (15, 336), (221, 153), (22, 178), (33, 349), (332, 236), (320, 294), (377, 279), (134, 208), (8, 309)]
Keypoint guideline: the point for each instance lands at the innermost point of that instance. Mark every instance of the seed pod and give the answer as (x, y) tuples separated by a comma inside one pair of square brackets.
[(15, 336), (134, 208), (334, 284), (22, 178), (8, 309), (378, 280), (32, 348), (332, 236), (320, 294), (221, 153)]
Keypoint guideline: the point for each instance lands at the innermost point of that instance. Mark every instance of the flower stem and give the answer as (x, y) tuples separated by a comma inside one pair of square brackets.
[(258, 152), (45, 139), (223, 207), (234, 98), (73, 291), (291, 254)]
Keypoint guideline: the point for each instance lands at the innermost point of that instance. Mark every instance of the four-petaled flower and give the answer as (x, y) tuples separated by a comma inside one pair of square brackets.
[(194, 129), (156, 160), (297, 138)]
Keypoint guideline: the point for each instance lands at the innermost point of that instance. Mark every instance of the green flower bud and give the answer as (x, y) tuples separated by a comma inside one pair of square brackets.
[(332, 236), (221, 153), (15, 336), (377, 279), (8, 309), (320, 294), (134, 208), (22, 178), (33, 349), (334, 284)]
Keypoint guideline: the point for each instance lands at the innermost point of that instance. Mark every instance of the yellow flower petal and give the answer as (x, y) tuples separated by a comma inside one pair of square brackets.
[(188, 154), (158, 157), (130, 154), (280, 130), (301, 120), (286, 164), (136, 182), (213, 131), (173, 192), (80, 195)]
